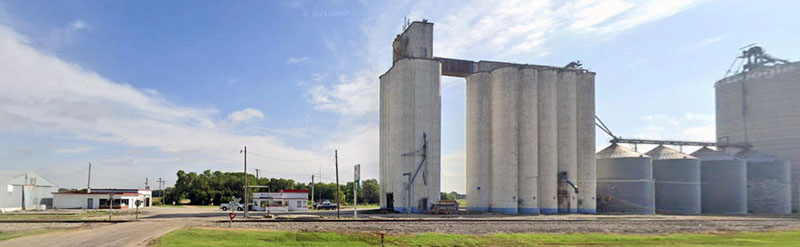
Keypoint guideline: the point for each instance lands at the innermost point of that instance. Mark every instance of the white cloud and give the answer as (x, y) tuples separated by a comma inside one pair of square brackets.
[(77, 25), (708, 41), (356, 145), (245, 115), (44, 95), (636, 63), (509, 30), (454, 172), (296, 60), (689, 126), (73, 150), (352, 95)]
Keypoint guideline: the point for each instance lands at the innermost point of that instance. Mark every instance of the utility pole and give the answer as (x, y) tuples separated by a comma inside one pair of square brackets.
[(312, 190), (89, 180), (356, 187), (338, 189), (257, 170), (161, 191), (246, 184)]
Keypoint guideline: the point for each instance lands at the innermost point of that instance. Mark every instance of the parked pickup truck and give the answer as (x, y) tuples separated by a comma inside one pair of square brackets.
[(326, 204), (228, 206)]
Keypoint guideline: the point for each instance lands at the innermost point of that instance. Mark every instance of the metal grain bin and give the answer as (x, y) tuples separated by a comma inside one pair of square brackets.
[(677, 177), (723, 182), (768, 183), (624, 181)]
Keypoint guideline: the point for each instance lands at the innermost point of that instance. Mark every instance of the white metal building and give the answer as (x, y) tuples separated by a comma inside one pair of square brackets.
[(99, 198), (281, 201), (23, 190)]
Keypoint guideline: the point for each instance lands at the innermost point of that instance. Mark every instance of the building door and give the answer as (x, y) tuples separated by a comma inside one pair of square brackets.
[(389, 201), (27, 197), (90, 203), (423, 205)]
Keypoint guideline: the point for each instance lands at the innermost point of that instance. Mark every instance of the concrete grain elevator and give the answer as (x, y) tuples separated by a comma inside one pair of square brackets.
[(529, 132)]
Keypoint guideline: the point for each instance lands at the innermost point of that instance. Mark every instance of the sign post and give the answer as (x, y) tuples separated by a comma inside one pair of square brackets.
[(110, 205), (231, 215), (356, 188), (138, 203)]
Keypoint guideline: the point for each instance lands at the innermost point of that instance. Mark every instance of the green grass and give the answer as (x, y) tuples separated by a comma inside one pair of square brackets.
[(213, 237)]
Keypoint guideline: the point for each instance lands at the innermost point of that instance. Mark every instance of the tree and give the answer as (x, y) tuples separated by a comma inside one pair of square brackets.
[(371, 191), (221, 187)]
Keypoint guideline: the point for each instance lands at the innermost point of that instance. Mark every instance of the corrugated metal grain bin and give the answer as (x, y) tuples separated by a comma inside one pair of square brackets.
[(677, 177), (624, 181), (723, 182), (768, 183)]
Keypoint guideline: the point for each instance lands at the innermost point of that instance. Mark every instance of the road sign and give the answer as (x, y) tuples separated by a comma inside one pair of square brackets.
[(357, 177), (231, 215)]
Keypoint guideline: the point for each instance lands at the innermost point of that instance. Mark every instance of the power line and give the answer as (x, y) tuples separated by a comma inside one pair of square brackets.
[(271, 158)]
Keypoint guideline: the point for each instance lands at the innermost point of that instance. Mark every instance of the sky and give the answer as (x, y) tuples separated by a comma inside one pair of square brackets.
[(142, 89)]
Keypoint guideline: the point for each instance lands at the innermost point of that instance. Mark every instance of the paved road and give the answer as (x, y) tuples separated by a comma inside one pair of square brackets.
[(155, 223)]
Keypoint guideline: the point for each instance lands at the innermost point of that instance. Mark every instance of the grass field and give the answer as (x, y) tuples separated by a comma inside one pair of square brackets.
[(223, 237)]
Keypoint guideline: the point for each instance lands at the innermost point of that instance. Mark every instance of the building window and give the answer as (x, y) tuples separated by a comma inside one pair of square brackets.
[(299, 204)]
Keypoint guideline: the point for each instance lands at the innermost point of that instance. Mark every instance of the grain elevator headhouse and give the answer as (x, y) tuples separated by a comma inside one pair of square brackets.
[(529, 132)]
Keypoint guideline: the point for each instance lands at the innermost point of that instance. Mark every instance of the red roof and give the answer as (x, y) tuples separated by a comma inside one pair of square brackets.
[(294, 191)]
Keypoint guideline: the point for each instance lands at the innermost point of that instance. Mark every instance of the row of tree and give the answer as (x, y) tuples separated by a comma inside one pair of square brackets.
[(220, 187)]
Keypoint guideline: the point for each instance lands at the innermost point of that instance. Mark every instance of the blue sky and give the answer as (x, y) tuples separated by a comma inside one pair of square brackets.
[(142, 89)]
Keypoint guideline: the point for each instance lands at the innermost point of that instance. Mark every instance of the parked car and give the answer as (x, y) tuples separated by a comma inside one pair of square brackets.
[(228, 206), (326, 204)]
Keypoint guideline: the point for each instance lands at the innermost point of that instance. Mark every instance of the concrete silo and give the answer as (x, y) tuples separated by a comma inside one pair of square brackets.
[(677, 178), (525, 126), (567, 140), (548, 142), (723, 182), (586, 164), (624, 181), (479, 142), (528, 175), (768, 183), (410, 106), (759, 107), (505, 144)]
